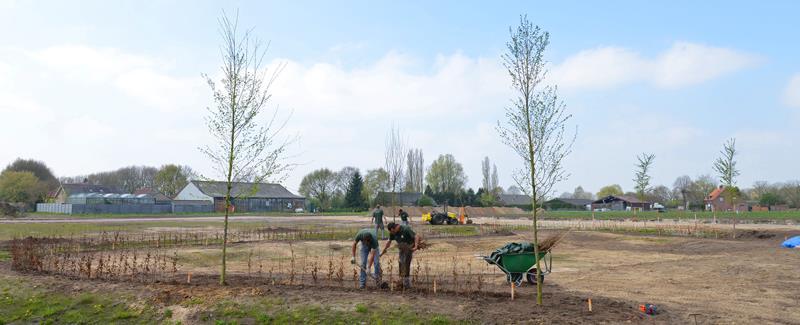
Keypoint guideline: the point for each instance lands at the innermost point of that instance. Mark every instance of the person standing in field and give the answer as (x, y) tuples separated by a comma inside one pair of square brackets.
[(404, 218), (377, 217), (407, 242), (369, 256)]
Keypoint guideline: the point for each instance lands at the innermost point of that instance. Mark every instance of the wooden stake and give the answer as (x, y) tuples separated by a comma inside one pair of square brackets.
[(189, 277), (434, 286), (512, 290), (590, 305)]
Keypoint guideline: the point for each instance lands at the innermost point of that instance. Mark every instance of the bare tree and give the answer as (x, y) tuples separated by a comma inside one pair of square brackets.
[(394, 156), (535, 122), (494, 184), (683, 185), (485, 171), (415, 171), (725, 165), (246, 147), (642, 179)]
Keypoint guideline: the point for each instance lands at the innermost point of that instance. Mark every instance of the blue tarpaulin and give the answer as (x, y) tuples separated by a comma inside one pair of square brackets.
[(792, 242)]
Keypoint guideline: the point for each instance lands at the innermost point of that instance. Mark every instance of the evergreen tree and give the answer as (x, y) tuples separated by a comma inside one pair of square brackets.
[(355, 198)]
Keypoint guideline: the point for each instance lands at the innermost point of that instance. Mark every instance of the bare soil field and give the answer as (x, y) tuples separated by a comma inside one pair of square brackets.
[(713, 281)]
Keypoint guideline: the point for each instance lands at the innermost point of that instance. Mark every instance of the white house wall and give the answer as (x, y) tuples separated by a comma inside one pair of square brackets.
[(192, 193)]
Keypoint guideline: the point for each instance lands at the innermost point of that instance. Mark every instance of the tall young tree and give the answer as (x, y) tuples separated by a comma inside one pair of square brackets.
[(725, 165), (486, 166), (536, 121), (642, 179), (246, 145), (393, 161), (415, 171), (494, 184)]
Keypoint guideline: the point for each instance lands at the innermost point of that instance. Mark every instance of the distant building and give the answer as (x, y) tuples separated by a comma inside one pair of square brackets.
[(568, 204), (514, 200), (399, 198), (715, 201), (620, 203), (66, 190), (157, 196), (246, 197)]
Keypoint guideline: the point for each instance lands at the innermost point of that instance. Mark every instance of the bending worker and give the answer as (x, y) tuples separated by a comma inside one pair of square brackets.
[(369, 256), (407, 243)]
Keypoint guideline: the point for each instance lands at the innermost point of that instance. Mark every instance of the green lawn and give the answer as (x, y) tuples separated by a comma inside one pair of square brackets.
[(40, 215), (273, 311), (22, 303)]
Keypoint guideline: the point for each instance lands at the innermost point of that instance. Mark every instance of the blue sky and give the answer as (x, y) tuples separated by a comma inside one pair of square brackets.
[(105, 84)]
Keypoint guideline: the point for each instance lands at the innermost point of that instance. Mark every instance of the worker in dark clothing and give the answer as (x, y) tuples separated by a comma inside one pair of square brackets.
[(377, 217), (369, 255), (407, 242), (404, 218)]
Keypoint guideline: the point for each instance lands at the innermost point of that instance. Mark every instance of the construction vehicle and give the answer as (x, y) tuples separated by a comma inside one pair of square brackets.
[(448, 218)]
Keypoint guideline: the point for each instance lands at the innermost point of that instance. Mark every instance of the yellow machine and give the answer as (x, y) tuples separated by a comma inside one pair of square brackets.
[(449, 218), (440, 218)]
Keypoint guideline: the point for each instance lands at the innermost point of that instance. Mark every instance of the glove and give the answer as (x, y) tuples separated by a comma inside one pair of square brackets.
[(353, 261)]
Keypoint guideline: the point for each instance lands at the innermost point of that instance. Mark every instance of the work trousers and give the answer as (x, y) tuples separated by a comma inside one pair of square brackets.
[(405, 263), (376, 264)]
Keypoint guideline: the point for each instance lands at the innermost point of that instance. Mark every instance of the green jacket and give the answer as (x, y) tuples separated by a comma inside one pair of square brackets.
[(373, 243), (404, 216), (404, 236), (378, 215)]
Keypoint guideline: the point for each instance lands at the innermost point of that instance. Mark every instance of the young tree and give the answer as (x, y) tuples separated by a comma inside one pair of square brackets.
[(247, 146), (354, 198), (725, 165), (393, 161), (536, 121), (642, 179)]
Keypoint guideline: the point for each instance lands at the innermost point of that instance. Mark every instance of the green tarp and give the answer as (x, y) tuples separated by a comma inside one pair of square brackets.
[(511, 248)]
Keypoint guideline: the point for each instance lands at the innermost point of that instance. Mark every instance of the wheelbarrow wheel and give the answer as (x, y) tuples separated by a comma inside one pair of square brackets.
[(531, 276)]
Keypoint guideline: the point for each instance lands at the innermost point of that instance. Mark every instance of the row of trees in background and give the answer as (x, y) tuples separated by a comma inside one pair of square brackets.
[(168, 179), (29, 181), (444, 182)]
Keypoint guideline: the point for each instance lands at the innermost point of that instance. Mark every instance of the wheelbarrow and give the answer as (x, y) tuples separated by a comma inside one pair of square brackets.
[(521, 265)]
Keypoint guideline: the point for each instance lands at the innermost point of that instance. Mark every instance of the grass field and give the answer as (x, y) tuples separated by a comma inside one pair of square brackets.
[(42, 215), (652, 215)]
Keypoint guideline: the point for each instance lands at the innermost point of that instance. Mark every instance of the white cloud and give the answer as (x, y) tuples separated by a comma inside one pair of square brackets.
[(792, 93), (138, 76), (683, 64), (391, 87)]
